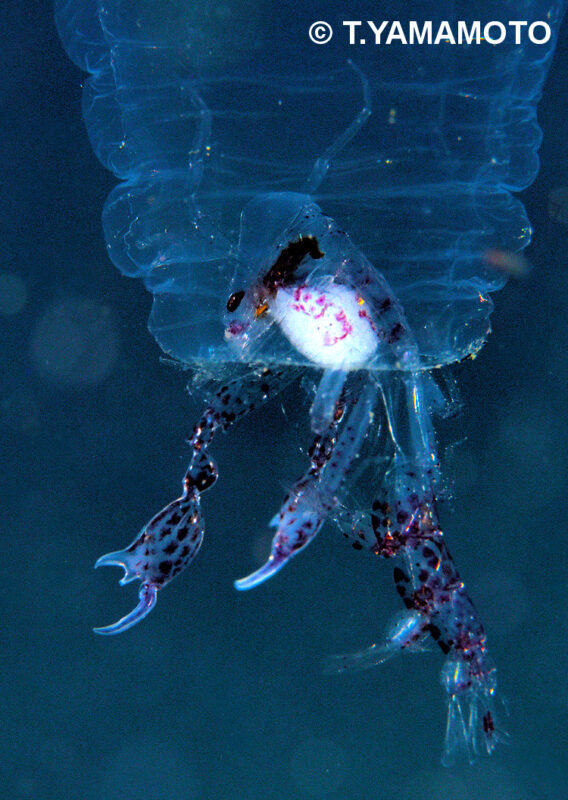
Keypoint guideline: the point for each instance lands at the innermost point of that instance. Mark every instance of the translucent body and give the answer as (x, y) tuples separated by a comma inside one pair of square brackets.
[(198, 115), (270, 245)]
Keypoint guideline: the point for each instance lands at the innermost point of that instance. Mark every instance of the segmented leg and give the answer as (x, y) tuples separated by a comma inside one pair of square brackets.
[(169, 542), (312, 497), (404, 525)]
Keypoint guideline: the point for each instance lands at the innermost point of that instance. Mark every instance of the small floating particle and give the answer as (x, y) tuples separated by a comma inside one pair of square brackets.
[(514, 264)]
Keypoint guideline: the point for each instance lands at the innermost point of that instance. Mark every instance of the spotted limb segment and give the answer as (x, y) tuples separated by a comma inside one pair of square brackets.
[(404, 526), (170, 541), (314, 495), (164, 547)]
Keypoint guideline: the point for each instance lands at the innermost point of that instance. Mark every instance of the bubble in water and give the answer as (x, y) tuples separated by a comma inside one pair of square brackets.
[(13, 293), (75, 342)]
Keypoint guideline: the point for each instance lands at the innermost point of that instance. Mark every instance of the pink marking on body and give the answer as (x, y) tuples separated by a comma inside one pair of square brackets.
[(323, 310), (347, 326), (303, 296), (236, 328), (364, 314)]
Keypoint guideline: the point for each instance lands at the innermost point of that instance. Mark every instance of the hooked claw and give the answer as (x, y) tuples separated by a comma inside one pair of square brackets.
[(163, 548), (275, 562), (296, 525), (148, 594)]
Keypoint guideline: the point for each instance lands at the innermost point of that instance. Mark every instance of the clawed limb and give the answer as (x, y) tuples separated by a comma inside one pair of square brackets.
[(147, 600), (170, 541), (314, 495), (164, 547)]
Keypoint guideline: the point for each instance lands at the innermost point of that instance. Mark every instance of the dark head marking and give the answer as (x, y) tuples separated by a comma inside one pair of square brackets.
[(282, 272)]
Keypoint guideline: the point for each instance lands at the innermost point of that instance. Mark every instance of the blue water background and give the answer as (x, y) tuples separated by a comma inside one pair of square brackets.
[(220, 695)]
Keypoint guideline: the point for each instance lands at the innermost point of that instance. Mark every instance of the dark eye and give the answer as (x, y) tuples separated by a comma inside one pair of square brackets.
[(234, 300)]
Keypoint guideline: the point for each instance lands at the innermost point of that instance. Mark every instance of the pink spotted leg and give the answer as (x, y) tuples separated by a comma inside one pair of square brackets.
[(314, 495), (165, 546), (170, 541)]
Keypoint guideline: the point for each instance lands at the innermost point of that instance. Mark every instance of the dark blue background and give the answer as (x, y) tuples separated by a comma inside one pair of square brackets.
[(217, 694)]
